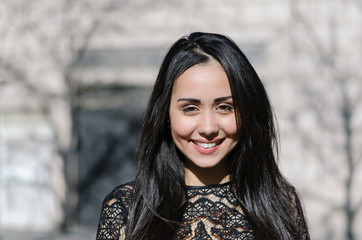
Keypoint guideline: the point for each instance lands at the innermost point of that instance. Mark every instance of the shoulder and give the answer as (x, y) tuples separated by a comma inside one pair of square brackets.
[(120, 196), (122, 191), (114, 213), (299, 214), (294, 196)]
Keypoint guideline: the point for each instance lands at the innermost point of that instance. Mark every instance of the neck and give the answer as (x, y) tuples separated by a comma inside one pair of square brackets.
[(196, 176)]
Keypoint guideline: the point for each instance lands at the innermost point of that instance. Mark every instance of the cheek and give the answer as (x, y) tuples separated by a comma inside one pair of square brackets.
[(229, 126), (181, 128)]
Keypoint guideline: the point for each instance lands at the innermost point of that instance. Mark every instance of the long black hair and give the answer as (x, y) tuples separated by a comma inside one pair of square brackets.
[(159, 187)]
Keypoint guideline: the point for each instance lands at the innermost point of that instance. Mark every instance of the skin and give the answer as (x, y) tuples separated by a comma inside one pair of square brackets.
[(203, 123)]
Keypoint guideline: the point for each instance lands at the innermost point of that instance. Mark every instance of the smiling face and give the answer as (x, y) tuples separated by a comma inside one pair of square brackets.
[(203, 123)]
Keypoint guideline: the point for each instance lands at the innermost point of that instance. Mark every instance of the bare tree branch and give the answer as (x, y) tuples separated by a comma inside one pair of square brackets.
[(345, 105), (308, 27)]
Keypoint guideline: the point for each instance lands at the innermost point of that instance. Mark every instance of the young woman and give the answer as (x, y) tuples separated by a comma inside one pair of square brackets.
[(206, 165)]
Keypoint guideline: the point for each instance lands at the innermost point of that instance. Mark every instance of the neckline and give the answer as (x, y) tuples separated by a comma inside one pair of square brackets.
[(218, 185)]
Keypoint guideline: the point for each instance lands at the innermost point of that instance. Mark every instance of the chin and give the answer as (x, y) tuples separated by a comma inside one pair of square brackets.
[(205, 163)]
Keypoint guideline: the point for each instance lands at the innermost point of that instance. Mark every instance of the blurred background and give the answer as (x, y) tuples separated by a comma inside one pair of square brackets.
[(75, 77)]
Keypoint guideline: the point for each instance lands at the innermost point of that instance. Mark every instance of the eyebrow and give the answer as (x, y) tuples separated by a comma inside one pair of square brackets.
[(191, 100), (194, 100), (221, 99)]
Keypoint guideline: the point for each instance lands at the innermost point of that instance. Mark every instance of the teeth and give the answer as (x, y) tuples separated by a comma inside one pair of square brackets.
[(206, 145)]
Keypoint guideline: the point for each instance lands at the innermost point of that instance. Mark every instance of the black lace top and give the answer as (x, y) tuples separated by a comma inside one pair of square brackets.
[(212, 212)]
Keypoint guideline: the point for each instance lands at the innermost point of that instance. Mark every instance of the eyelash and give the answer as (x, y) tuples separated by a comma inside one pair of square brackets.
[(225, 108), (189, 109)]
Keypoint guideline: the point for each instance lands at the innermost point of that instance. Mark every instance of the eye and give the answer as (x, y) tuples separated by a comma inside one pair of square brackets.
[(189, 109), (225, 108)]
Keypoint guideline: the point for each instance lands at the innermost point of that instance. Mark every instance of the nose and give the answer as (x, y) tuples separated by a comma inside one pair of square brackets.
[(208, 125)]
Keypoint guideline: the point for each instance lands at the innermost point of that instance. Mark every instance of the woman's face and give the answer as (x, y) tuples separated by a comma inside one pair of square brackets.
[(202, 116)]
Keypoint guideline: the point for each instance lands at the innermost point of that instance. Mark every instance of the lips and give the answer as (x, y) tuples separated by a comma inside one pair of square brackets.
[(207, 147)]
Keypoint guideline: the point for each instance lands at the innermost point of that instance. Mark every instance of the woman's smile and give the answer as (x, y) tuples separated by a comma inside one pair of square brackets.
[(207, 147)]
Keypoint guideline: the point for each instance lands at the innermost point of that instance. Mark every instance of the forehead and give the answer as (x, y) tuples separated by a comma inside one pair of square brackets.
[(202, 78)]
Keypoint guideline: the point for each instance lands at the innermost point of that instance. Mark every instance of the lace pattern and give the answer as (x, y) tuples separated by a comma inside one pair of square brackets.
[(114, 214), (212, 212)]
